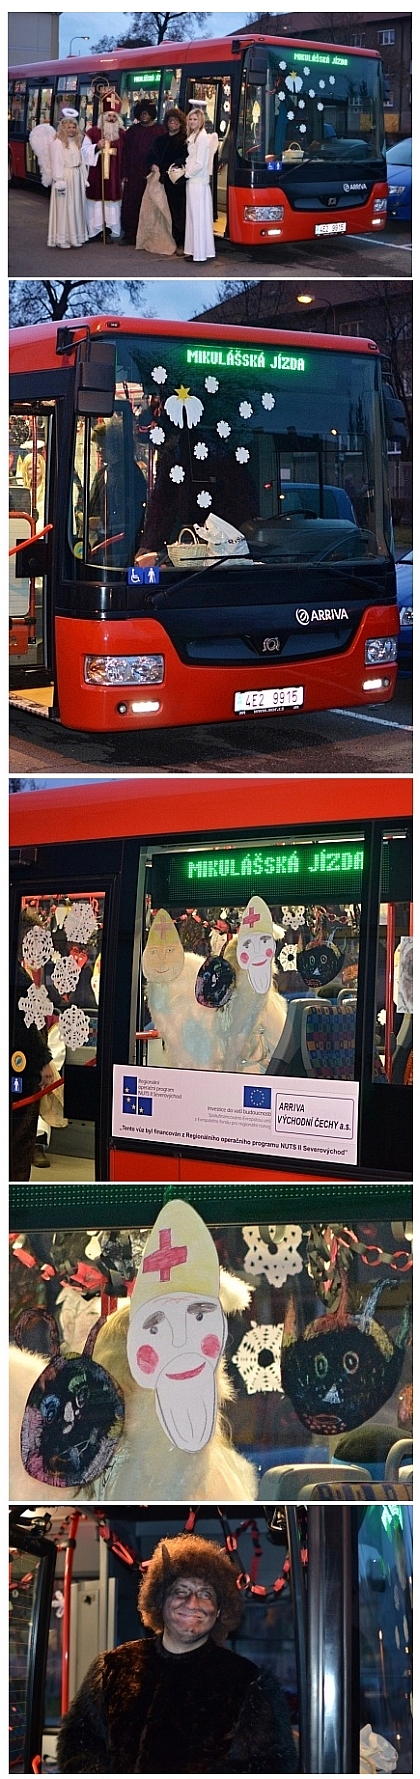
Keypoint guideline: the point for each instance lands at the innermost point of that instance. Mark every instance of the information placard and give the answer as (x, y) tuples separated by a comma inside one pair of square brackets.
[(279, 1117)]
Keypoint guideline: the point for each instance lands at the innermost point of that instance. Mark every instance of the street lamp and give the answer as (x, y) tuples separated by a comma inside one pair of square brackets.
[(305, 298), (78, 40)]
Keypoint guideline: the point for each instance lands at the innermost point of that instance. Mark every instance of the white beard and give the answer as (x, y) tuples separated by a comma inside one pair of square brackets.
[(260, 976), (187, 1409)]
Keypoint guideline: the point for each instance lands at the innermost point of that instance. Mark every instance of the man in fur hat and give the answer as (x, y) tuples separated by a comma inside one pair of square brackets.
[(180, 1702), (104, 144), (138, 152)]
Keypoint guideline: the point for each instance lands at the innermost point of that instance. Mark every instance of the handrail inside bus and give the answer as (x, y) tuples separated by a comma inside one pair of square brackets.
[(27, 541)]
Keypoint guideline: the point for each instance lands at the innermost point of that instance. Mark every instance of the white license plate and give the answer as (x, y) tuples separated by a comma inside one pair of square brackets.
[(249, 704), (330, 228)]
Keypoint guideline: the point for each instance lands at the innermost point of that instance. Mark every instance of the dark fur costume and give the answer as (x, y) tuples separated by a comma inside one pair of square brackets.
[(142, 1710)]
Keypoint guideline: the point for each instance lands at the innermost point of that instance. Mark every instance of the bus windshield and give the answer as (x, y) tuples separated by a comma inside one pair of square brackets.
[(219, 452), (315, 105)]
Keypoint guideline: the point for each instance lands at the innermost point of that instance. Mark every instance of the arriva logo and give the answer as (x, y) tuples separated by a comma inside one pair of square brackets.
[(355, 185), (329, 614)]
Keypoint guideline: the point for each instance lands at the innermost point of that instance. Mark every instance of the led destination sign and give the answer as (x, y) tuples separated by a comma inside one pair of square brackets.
[(282, 873), (312, 58), (241, 358)]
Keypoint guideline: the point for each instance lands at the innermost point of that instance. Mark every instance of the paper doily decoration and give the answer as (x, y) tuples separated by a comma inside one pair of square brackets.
[(74, 1027), (245, 410), (288, 957), (284, 1263), (35, 1006), (37, 947), (212, 384), (223, 429), (204, 499), (65, 975), (159, 374), (177, 473), (258, 1359), (200, 451), (293, 917), (80, 923), (242, 455), (157, 435), (268, 401)]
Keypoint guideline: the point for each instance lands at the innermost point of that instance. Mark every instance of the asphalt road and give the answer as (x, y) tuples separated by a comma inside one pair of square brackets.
[(386, 255), (378, 741)]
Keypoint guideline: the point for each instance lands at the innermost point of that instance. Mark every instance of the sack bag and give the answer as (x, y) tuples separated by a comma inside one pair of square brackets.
[(222, 539), (74, 1414), (154, 231)]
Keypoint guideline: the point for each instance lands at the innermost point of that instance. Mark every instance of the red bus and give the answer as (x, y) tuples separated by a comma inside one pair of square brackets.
[(143, 911), (200, 523), (300, 126)]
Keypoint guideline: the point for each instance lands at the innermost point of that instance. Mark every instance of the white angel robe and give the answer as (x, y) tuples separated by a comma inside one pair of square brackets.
[(199, 231), (67, 226)]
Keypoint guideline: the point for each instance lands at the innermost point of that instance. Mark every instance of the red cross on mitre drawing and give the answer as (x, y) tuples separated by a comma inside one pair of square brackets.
[(164, 1257), (251, 919)]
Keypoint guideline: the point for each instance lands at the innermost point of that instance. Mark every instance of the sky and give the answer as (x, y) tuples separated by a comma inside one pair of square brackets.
[(99, 24), (179, 299)]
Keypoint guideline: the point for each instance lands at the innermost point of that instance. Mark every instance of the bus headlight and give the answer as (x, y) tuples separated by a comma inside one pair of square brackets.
[(124, 670), (264, 212), (379, 205), (380, 648), (406, 617)]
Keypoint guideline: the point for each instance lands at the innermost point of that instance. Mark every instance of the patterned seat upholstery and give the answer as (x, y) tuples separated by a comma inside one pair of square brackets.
[(328, 1040)]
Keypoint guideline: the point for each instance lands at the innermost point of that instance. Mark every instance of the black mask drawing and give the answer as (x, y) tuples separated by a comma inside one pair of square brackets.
[(215, 983), (342, 1368), (74, 1415)]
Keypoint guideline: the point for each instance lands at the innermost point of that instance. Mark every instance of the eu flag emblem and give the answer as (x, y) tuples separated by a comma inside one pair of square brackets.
[(145, 1106), (258, 1097)]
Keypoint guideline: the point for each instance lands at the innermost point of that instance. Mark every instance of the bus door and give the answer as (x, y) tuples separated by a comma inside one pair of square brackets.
[(214, 94), (67, 972), (31, 493), (31, 1580), (32, 118)]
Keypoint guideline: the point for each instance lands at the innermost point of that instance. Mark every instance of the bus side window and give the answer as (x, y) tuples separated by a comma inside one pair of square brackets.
[(170, 90), (394, 967), (85, 107), (65, 95), (138, 84), (18, 106), (45, 107), (250, 119)]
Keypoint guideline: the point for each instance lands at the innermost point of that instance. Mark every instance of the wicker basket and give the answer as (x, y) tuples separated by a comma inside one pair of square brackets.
[(180, 553)]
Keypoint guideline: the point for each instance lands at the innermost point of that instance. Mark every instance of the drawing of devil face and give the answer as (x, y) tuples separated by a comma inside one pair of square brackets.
[(174, 1346)]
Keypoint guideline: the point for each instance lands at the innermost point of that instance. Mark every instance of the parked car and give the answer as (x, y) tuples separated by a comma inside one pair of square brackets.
[(405, 607), (304, 497), (398, 162)]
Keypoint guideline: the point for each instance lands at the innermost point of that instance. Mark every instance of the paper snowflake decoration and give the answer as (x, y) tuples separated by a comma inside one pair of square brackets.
[(57, 1603), (177, 474), (200, 451), (35, 1006), (320, 108), (159, 374), (268, 401), (282, 65), (245, 410), (65, 975), (322, 83), (290, 115), (288, 957), (223, 429), (312, 92), (204, 499), (278, 1260), (80, 923), (37, 947), (293, 917), (301, 105), (242, 455), (306, 70), (282, 97), (183, 403), (331, 78), (302, 129), (74, 1027), (258, 1359), (157, 435), (212, 384)]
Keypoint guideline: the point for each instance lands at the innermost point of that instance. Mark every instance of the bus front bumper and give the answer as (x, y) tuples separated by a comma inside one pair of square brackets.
[(191, 694), (300, 225)]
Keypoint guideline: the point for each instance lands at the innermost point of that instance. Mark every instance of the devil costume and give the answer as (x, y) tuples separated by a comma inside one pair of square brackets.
[(143, 1710)]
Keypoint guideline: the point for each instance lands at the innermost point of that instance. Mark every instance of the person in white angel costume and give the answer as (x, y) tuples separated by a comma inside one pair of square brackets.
[(199, 232), (63, 161)]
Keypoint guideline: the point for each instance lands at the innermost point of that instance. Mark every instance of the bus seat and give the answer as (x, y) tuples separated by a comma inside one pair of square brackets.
[(286, 1481), (328, 1036), (395, 1469), (287, 1056), (358, 1492)]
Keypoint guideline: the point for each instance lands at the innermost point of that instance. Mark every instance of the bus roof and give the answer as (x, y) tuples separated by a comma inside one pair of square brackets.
[(172, 805), (211, 49), (34, 348)]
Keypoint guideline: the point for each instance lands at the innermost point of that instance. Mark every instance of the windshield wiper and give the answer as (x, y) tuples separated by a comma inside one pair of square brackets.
[(162, 593)]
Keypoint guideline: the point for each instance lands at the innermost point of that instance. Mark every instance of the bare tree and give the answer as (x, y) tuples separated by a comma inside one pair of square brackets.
[(153, 28), (47, 299)]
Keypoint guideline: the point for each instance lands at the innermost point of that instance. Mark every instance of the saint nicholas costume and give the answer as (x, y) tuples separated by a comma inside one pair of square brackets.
[(111, 132)]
